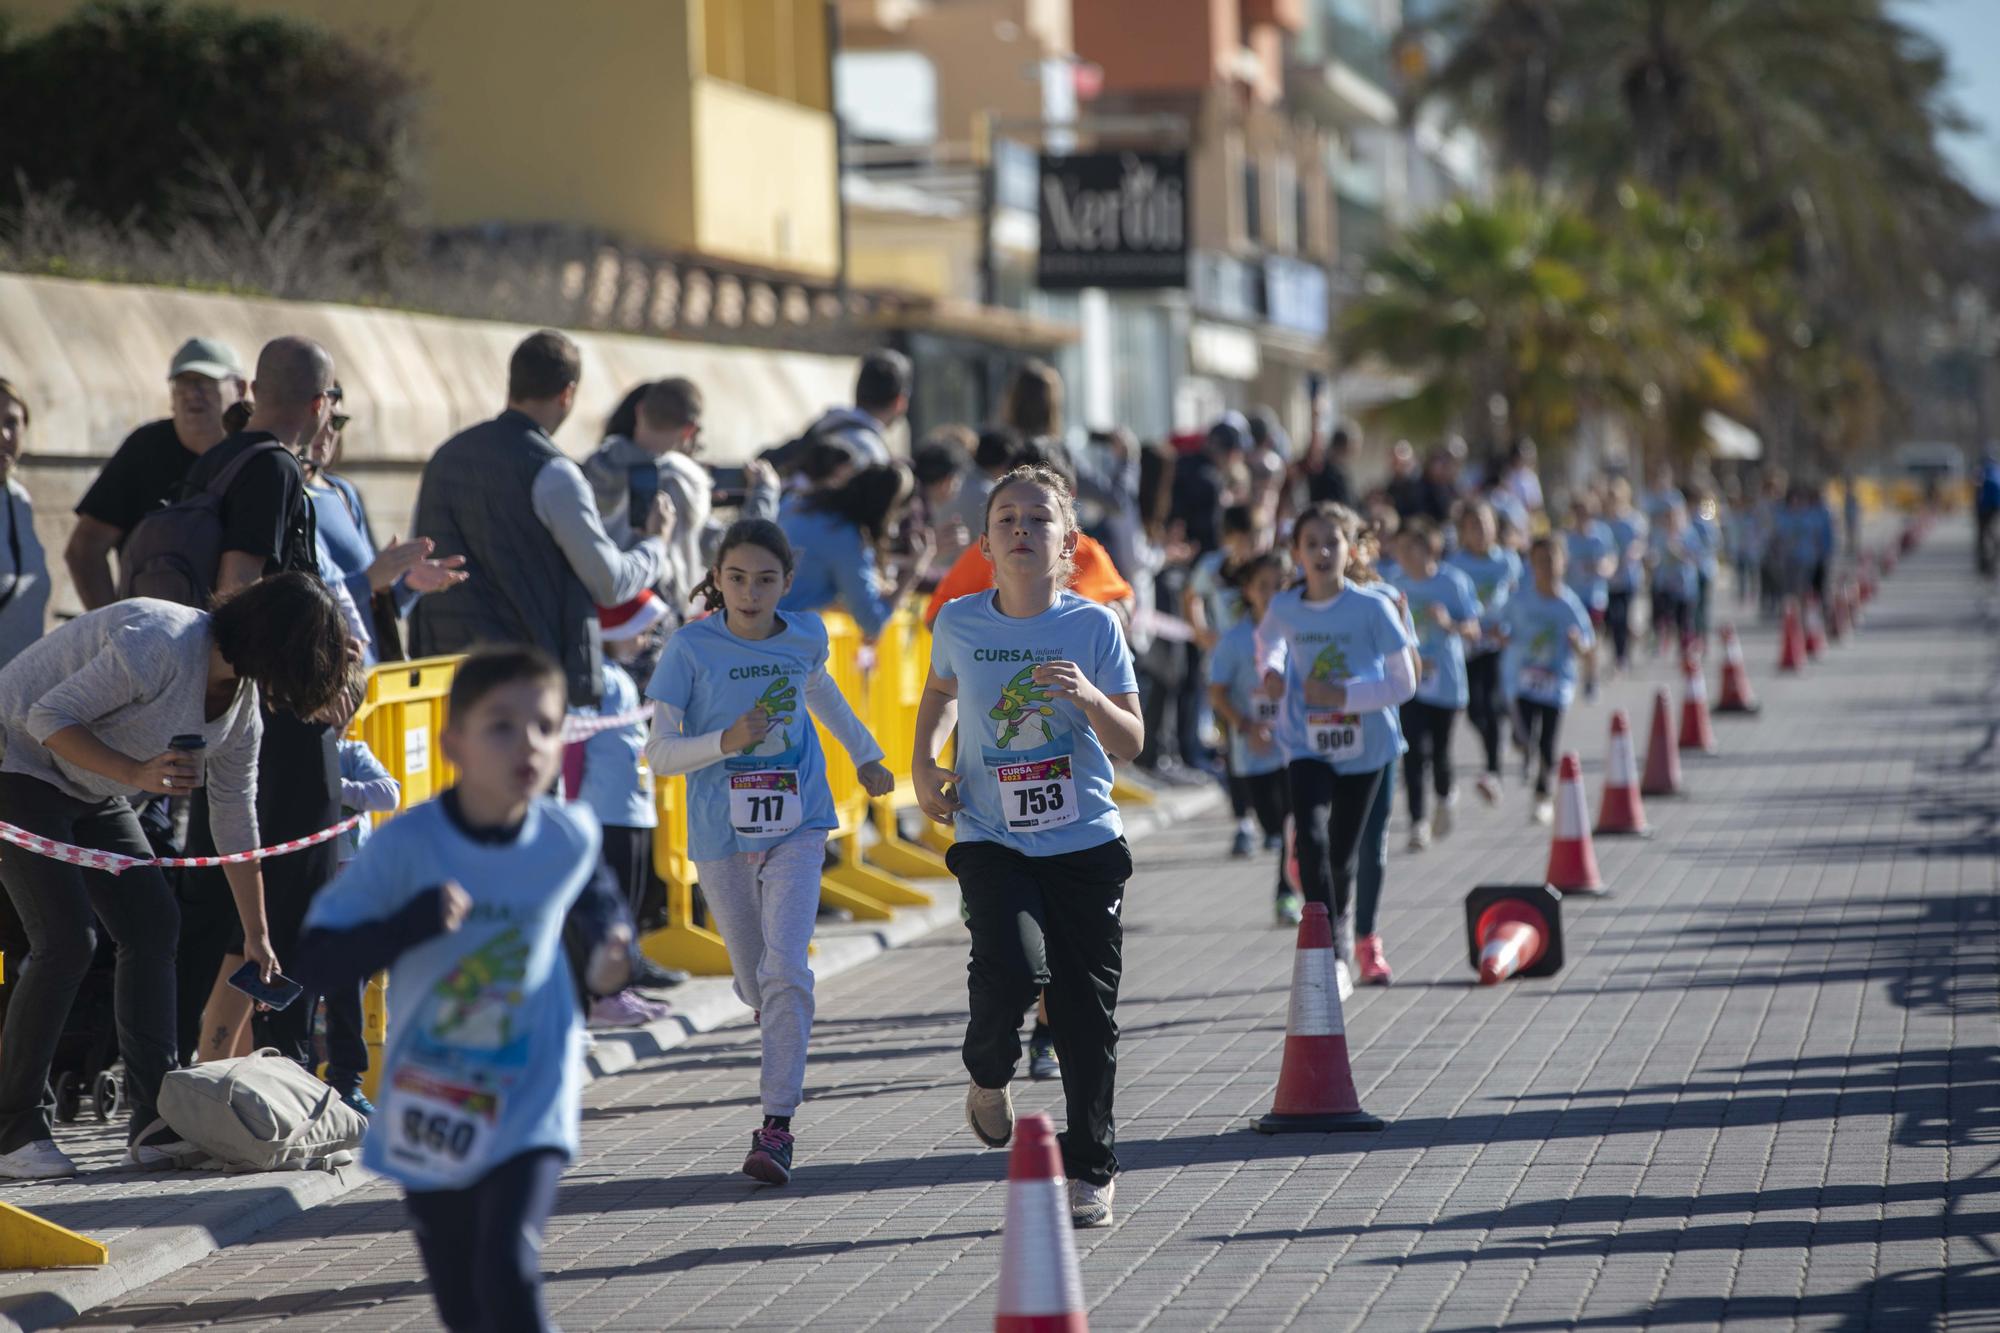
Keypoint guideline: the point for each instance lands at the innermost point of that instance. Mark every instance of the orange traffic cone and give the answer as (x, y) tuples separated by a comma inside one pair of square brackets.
[(1041, 1289), (1696, 734), (1316, 1083), (1792, 650), (1572, 863), (1621, 811), (1514, 931), (1815, 630), (1663, 758), (1736, 696)]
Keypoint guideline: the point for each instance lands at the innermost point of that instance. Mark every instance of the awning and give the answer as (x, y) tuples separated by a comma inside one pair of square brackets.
[(1729, 438)]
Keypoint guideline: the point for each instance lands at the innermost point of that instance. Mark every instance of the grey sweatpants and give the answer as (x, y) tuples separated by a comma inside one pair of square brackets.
[(765, 904)]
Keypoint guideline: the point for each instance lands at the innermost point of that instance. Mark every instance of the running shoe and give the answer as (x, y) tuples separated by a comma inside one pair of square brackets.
[(1544, 811), (1244, 843), (1374, 964), (1274, 842), (354, 1100), (990, 1112), (1042, 1062), (40, 1160), (770, 1158), (1290, 909), (1090, 1205), (649, 975), (1442, 816), (1343, 979), (1590, 691), (1343, 937), (1489, 788), (626, 1009), (1420, 835)]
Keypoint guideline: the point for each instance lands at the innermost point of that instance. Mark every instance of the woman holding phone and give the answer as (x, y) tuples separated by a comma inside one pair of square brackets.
[(90, 717)]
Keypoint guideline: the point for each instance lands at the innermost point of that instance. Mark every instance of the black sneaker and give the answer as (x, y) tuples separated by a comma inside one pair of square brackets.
[(1042, 1062), (649, 975), (770, 1158)]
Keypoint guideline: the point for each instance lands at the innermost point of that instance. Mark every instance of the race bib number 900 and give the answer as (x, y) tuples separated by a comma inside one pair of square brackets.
[(1037, 795), (1335, 737)]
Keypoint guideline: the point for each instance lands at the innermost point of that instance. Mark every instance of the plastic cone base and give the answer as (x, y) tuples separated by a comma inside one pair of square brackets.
[(1352, 1122)]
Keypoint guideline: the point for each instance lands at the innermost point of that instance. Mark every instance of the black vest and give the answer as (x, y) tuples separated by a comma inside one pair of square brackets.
[(476, 500)]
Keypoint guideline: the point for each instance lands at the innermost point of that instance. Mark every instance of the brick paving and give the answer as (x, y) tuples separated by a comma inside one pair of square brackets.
[(1764, 1094)]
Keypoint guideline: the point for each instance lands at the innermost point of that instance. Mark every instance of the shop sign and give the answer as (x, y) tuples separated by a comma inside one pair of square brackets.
[(1113, 219)]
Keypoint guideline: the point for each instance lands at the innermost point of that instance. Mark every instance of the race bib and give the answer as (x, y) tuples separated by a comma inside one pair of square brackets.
[(1335, 737), (1429, 679), (1036, 795), (1263, 711), (1539, 681), (765, 803), (438, 1128)]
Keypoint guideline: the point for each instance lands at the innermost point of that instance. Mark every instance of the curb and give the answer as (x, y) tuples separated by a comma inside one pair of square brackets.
[(146, 1254)]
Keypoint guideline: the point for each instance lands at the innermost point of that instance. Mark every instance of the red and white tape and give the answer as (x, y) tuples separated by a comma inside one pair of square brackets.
[(117, 863), (580, 727)]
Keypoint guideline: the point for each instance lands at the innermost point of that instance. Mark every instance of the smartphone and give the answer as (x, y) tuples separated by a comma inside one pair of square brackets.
[(732, 486), (642, 488), (277, 993)]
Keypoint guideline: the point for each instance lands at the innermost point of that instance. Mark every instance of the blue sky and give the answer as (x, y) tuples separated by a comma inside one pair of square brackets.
[(1969, 32)]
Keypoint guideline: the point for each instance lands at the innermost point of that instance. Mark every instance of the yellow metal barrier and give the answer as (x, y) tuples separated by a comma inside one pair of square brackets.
[(680, 943), (862, 889), (895, 687), (31, 1241)]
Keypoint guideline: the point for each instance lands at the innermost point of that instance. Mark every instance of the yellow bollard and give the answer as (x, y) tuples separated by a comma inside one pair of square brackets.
[(374, 1030), (28, 1241)]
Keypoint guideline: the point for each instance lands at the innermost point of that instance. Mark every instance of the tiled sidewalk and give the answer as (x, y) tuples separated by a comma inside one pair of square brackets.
[(1765, 1093)]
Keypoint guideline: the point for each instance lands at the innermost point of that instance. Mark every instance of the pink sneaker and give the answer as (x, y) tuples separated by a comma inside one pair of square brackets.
[(1374, 966), (626, 1009)]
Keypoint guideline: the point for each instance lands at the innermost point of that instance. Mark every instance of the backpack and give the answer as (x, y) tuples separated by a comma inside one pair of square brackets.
[(174, 553), (258, 1112)]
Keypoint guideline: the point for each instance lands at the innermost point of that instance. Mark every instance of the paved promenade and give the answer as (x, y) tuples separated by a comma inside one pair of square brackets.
[(1764, 1094)]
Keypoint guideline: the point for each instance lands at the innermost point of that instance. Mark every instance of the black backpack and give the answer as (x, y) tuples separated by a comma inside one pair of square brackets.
[(174, 553)]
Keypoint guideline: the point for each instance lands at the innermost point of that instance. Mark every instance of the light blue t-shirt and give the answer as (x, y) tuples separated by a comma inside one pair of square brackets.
[(614, 788), (1704, 543), (1629, 532), (1346, 639), (1233, 664), (1587, 548), (1219, 601), (484, 1036), (1494, 576), (1032, 774), (776, 787), (1441, 651), (1674, 569), (1540, 665)]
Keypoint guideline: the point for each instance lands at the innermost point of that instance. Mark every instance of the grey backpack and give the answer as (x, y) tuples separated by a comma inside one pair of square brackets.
[(258, 1112), (174, 553)]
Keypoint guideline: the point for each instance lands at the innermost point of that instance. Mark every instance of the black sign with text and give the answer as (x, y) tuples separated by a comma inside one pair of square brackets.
[(1113, 219)]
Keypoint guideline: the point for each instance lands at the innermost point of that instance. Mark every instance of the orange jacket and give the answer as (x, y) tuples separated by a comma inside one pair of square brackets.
[(1096, 577)]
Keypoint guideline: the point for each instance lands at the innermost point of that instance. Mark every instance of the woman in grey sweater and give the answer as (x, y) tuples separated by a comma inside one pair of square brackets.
[(86, 718)]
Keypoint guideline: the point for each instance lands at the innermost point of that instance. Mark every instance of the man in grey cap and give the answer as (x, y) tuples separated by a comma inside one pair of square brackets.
[(206, 379)]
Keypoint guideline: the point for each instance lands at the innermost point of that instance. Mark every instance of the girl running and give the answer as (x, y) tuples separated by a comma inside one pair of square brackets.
[(1445, 610), (1041, 855), (734, 690), (1591, 547), (1364, 574), (1337, 659), (1546, 631), (1495, 573), (1256, 758)]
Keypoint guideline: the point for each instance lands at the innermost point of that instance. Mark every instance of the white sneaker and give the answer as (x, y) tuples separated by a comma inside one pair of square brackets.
[(1489, 788), (990, 1112), (1441, 817), (1343, 979), (1544, 811), (1343, 937), (1090, 1205), (1420, 835), (40, 1160)]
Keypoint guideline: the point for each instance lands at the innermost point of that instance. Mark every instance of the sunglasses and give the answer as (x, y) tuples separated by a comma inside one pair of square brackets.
[(340, 422)]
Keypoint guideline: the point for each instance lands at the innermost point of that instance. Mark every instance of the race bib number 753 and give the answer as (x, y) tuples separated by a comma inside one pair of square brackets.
[(1037, 795)]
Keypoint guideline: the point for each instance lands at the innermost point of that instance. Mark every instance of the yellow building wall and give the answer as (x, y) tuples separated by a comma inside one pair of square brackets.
[(625, 115)]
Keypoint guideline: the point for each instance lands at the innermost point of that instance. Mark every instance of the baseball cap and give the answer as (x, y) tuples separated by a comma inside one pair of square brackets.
[(206, 356)]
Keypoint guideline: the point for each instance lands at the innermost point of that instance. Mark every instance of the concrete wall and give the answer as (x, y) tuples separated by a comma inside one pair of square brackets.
[(92, 359)]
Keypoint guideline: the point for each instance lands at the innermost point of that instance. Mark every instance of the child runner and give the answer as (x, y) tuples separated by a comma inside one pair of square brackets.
[(1339, 659), (1235, 680), (1041, 856), (734, 690), (1547, 631), (1592, 550), (1676, 580), (1210, 606), (604, 771), (466, 900), (1372, 869), (1495, 574), (1629, 530), (1445, 610)]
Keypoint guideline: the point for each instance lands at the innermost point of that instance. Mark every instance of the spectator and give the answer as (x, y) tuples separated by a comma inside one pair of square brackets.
[(268, 528), (383, 585), (941, 464), (1327, 472), (1034, 407), (881, 397), (1406, 484), (502, 495), (86, 717), (1518, 476), (1198, 481), (206, 379), (24, 579), (836, 535), (655, 455), (1986, 508)]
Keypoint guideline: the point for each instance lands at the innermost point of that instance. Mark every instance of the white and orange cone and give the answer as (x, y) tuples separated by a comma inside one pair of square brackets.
[(1316, 1083), (1621, 812), (1663, 758), (1696, 733), (1736, 695), (1572, 861), (1041, 1288), (1514, 930)]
